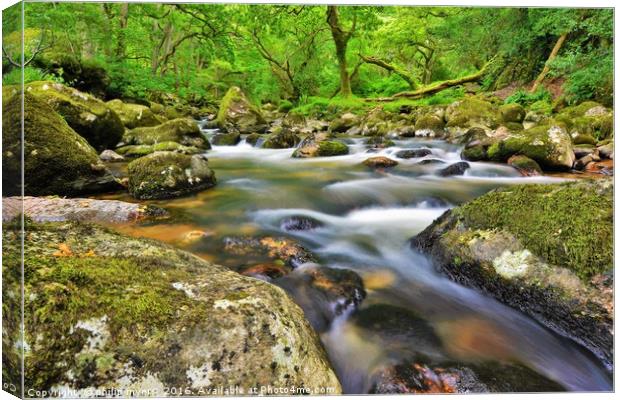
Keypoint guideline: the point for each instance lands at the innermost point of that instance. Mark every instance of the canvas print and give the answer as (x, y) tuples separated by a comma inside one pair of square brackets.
[(206, 199)]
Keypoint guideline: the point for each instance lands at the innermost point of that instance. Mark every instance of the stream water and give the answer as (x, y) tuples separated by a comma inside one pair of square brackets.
[(368, 217)]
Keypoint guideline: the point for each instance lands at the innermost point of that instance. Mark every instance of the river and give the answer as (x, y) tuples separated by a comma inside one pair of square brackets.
[(367, 219)]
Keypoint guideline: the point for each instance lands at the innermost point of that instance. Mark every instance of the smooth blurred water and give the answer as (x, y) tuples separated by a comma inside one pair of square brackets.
[(368, 217)]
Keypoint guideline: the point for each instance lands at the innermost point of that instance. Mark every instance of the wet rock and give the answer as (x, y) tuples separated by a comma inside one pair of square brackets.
[(56, 209), (134, 115), (584, 139), (254, 139), (458, 168), (111, 156), (519, 246), (323, 293), (470, 112), (606, 151), (379, 142), (430, 161), (165, 174), (111, 311), (429, 125), (238, 115), (344, 123), (141, 150), (300, 223), (90, 117), (583, 150), (279, 250), (226, 139), (283, 139), (57, 160), (318, 145), (513, 112), (582, 163), (380, 162), (183, 131), (266, 271), (413, 153), (525, 165)]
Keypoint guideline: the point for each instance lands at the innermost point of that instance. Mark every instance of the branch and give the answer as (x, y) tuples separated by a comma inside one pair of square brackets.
[(390, 67)]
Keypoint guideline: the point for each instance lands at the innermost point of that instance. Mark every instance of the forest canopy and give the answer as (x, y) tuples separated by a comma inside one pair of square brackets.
[(291, 54)]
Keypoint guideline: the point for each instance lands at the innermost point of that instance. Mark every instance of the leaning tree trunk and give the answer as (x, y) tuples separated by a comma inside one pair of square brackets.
[(122, 24), (392, 68), (341, 40), (545, 71)]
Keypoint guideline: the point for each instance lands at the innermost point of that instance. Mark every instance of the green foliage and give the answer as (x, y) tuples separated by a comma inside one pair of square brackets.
[(525, 98), (31, 74)]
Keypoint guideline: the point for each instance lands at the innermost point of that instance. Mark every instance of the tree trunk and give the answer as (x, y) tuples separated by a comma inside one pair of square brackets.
[(122, 24), (341, 40), (392, 68), (545, 71)]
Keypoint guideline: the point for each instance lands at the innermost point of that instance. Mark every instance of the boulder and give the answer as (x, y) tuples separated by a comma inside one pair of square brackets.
[(470, 112), (90, 117), (343, 123), (413, 153), (300, 223), (546, 250), (380, 162), (166, 174), (582, 150), (111, 156), (607, 150), (283, 139), (141, 150), (184, 131), (513, 112), (237, 114), (525, 165), (58, 161), (275, 250), (226, 139), (134, 115), (379, 142), (317, 145), (457, 168), (588, 118), (429, 125), (110, 311), (549, 145)]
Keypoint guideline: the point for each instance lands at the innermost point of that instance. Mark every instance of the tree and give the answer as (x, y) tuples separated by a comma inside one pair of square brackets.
[(341, 40)]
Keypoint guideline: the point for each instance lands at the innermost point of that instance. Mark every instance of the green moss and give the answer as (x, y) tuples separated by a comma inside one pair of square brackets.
[(184, 131), (512, 112), (474, 153), (472, 111), (285, 106), (235, 98), (332, 148), (133, 115), (584, 139), (429, 122), (140, 150), (569, 225), (541, 107)]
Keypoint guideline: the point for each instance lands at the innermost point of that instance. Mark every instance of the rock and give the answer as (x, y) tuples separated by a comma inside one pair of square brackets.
[(430, 161), (317, 145), (57, 160), (111, 156), (379, 142), (584, 139), (134, 115), (582, 163), (583, 150), (266, 271), (380, 162), (549, 145), (513, 112), (300, 223), (238, 115), (531, 248), (344, 123), (606, 151), (283, 139), (413, 153), (84, 75), (90, 117), (279, 250), (56, 209), (111, 311), (580, 121), (323, 293), (141, 150), (226, 139), (255, 139), (184, 131), (457, 168), (166, 174), (525, 165), (470, 112), (429, 125)]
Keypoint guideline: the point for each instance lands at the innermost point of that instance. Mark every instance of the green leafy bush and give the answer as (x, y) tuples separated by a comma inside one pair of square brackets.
[(525, 98), (31, 74)]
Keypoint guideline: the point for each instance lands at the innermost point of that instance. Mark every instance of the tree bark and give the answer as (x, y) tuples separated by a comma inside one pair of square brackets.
[(545, 70), (341, 40), (122, 24), (392, 68)]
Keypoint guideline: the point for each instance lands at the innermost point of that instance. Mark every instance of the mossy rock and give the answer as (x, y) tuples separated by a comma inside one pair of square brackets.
[(104, 310), (474, 153), (544, 249), (166, 174), (184, 131), (584, 139), (330, 148), (429, 125), (470, 112), (237, 114), (226, 139), (253, 138), (512, 112), (281, 140), (549, 145), (525, 165), (140, 150), (58, 161), (319, 145), (90, 117), (134, 115)]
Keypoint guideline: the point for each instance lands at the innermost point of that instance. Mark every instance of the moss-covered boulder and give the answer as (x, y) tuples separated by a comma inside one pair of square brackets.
[(429, 125), (470, 112), (588, 118), (226, 139), (238, 114), (283, 139), (549, 145), (513, 112), (103, 310), (546, 250), (318, 145), (57, 160), (184, 131), (140, 150), (343, 123), (90, 117), (525, 165), (134, 115), (380, 162), (166, 174)]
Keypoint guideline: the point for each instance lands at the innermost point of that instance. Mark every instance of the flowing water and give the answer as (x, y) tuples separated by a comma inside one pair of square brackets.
[(368, 217)]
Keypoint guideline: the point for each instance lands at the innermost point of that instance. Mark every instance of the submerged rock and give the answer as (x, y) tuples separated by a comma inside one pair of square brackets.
[(283, 139), (458, 168), (380, 162), (110, 311), (318, 145), (543, 249), (413, 153), (184, 131), (279, 250), (165, 174), (90, 117), (300, 223), (238, 115), (57, 160)]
